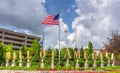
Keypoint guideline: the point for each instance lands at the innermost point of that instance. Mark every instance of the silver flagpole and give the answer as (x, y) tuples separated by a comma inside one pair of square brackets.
[(75, 39), (59, 41)]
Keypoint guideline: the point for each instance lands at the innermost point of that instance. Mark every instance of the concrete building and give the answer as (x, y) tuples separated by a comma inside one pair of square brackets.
[(15, 38)]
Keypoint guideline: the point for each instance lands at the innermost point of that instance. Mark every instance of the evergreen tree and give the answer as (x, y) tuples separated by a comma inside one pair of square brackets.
[(81, 52), (35, 60), (90, 48)]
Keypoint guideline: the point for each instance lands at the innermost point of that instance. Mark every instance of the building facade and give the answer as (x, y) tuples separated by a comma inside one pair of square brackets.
[(15, 38)]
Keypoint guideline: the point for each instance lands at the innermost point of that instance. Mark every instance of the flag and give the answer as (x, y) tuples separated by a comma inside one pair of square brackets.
[(42, 41), (51, 20)]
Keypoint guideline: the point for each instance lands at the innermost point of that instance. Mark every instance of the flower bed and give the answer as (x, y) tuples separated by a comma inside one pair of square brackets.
[(22, 71)]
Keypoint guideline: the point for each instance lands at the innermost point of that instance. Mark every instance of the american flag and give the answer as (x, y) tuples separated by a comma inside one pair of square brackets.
[(51, 20)]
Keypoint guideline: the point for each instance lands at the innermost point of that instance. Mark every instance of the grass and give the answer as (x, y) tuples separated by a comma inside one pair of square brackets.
[(48, 68)]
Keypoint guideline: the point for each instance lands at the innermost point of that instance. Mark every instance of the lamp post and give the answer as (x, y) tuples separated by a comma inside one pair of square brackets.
[(65, 31)]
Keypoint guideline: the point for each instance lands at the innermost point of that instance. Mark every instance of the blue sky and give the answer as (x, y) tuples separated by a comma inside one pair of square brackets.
[(66, 8), (93, 20)]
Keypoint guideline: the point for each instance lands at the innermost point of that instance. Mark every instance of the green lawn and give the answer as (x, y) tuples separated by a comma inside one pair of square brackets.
[(38, 68)]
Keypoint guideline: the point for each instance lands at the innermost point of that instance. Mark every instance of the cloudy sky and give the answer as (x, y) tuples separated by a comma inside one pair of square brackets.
[(92, 19)]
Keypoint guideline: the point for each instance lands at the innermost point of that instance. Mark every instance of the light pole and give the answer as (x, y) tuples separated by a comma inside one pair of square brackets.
[(65, 31)]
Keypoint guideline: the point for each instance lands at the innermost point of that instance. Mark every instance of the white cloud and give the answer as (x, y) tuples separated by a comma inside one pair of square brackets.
[(43, 1), (62, 44), (100, 3), (95, 21), (25, 16)]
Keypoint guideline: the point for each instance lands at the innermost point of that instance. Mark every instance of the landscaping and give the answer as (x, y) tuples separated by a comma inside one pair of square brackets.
[(69, 53), (34, 58)]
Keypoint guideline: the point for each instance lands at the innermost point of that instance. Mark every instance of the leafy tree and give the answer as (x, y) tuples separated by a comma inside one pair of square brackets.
[(2, 53), (36, 47), (90, 48), (35, 52), (81, 52), (9, 48), (81, 60), (89, 53), (113, 45), (48, 57), (23, 49)]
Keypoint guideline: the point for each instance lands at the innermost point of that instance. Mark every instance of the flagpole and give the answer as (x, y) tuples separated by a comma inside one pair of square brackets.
[(43, 41), (75, 38), (59, 41)]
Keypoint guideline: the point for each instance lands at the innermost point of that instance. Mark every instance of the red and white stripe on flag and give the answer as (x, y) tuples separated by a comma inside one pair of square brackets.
[(49, 20)]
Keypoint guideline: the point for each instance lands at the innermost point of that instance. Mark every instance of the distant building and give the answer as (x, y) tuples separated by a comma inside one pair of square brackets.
[(97, 51), (15, 38)]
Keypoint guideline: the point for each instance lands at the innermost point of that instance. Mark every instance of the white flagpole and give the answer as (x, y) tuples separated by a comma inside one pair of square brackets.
[(59, 41), (75, 38)]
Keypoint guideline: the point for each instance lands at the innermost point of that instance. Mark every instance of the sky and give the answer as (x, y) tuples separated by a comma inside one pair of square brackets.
[(93, 20)]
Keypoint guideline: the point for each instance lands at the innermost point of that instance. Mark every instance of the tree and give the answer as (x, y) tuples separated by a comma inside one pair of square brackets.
[(90, 48), (81, 52), (23, 49), (35, 47), (113, 45), (9, 48), (89, 53), (2, 53)]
